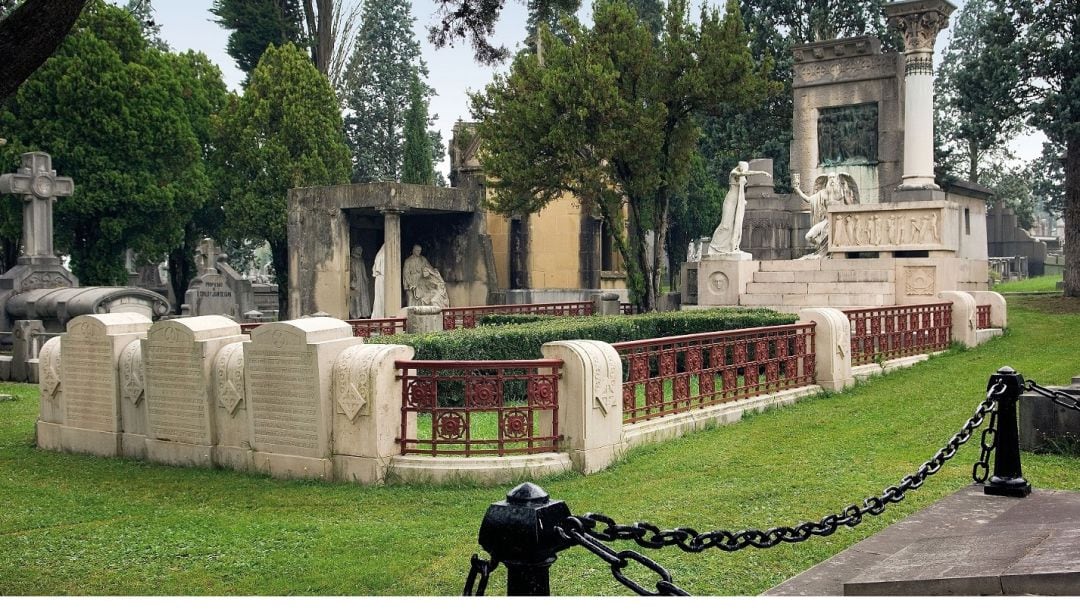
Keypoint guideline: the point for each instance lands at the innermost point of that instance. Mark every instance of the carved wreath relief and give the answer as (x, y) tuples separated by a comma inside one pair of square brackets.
[(229, 368), (132, 383)]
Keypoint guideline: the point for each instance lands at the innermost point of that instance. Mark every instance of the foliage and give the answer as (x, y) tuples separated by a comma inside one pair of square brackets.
[(79, 525), (113, 112), (417, 166), (384, 63), (257, 24), (973, 90), (1048, 178), (695, 211), (548, 13), (523, 341), (284, 132), (1047, 94), (612, 119), (143, 12), (1012, 188)]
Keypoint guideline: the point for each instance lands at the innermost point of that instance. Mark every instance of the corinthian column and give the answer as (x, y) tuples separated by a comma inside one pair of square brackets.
[(919, 22)]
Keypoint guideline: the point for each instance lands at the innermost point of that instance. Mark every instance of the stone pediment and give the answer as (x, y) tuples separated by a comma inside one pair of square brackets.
[(402, 197)]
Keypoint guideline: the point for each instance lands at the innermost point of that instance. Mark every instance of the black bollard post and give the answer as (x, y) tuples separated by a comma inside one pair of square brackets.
[(520, 533), (1008, 478)]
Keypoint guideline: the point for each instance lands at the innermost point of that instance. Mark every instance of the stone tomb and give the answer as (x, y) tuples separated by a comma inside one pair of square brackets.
[(209, 292), (178, 357), (288, 368), (90, 420)]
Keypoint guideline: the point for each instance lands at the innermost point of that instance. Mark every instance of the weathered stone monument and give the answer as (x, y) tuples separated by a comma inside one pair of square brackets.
[(38, 288), (209, 293), (885, 233)]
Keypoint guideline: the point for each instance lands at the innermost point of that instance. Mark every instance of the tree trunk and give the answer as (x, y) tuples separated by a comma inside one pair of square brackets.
[(973, 161), (1072, 215), (279, 251), (29, 35)]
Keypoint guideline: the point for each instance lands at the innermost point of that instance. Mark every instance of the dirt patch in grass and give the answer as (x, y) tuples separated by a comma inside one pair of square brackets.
[(1055, 305)]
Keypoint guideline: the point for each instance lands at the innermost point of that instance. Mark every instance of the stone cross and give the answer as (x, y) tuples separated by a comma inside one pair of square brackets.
[(37, 183), (206, 256)]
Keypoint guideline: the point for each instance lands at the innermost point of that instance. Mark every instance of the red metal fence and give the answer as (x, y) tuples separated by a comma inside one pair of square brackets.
[(363, 328), (670, 375), (477, 408), (982, 314), (884, 333), (468, 317)]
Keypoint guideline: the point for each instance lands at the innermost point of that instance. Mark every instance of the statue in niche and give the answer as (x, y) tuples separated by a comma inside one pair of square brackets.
[(423, 284), (377, 270), (359, 291), (728, 234), (832, 189)]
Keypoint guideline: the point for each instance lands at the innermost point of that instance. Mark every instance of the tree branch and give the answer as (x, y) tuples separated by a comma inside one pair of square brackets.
[(29, 35)]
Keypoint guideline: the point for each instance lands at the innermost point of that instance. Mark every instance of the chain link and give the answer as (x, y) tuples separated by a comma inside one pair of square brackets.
[(1060, 398), (480, 569), (591, 530)]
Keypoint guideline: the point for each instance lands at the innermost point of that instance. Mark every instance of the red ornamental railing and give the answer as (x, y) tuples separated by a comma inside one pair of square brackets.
[(982, 315), (468, 317), (664, 376), (362, 328), (884, 333), (479, 408), (366, 328), (626, 308)]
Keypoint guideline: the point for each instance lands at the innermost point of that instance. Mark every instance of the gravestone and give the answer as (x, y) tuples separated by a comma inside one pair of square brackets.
[(133, 401), (231, 420), (38, 266), (209, 292), (288, 368), (90, 418), (179, 358)]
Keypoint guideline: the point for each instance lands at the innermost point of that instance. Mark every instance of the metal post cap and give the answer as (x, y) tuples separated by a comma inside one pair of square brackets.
[(527, 493), (1006, 370)]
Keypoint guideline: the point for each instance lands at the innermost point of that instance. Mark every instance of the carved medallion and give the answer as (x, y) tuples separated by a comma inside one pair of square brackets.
[(229, 369), (919, 281), (132, 384)]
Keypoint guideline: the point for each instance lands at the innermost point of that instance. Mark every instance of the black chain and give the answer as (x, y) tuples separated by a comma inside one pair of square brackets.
[(1060, 398), (480, 569), (582, 529)]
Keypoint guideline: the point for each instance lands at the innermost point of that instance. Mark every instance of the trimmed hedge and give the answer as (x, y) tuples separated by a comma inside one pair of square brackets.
[(523, 341)]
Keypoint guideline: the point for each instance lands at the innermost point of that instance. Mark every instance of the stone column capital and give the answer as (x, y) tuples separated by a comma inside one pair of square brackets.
[(919, 22)]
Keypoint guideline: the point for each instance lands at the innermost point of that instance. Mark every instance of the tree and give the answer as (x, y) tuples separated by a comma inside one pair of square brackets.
[(1012, 189), (974, 89), (417, 166), (110, 110), (611, 119), (547, 13), (1046, 36), (284, 132), (143, 12), (1048, 178), (384, 63), (29, 34), (324, 27)]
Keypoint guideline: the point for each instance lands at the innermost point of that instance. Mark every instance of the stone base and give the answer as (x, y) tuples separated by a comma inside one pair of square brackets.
[(479, 470), (355, 469), (56, 437), (981, 336), (179, 454), (865, 371), (292, 467), (591, 461), (133, 446), (721, 281), (674, 426), (735, 256), (236, 458)]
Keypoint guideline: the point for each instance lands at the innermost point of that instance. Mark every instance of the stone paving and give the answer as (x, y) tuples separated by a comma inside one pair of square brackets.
[(964, 545)]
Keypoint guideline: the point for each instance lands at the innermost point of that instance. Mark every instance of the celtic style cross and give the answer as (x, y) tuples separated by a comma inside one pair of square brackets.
[(37, 183)]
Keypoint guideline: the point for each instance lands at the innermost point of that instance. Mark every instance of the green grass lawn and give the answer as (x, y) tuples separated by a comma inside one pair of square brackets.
[(1047, 283), (82, 525)]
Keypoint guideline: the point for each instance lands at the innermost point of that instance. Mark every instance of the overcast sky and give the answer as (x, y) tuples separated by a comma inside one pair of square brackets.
[(188, 24)]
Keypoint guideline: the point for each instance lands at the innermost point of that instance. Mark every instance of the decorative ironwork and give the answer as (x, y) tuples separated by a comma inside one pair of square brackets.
[(670, 375), (476, 408), (884, 333), (361, 328), (467, 317), (982, 314), (626, 308), (366, 328)]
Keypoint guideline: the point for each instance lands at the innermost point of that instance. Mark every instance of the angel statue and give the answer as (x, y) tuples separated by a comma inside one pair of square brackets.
[(834, 188), (728, 234)]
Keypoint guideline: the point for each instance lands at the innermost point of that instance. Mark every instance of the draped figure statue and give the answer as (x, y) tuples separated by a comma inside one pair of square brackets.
[(728, 234)]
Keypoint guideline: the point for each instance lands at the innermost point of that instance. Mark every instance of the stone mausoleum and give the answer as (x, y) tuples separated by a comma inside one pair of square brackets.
[(867, 116), (559, 254)]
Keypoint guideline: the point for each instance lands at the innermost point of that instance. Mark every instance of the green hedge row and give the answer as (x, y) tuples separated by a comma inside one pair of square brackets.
[(523, 341)]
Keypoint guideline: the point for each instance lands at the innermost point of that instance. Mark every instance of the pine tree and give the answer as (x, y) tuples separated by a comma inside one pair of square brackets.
[(257, 24), (383, 63), (417, 166)]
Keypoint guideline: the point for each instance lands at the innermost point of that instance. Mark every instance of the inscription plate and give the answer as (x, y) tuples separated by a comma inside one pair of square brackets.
[(283, 399), (175, 389), (87, 366)]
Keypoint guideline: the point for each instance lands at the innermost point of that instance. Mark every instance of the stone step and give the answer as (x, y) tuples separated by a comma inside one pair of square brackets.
[(850, 288), (775, 288), (826, 276), (790, 265), (858, 264)]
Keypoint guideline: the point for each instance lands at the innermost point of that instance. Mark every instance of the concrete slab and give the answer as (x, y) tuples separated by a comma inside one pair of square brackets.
[(965, 544)]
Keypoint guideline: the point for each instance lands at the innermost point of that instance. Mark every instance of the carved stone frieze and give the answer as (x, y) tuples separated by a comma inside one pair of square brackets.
[(918, 228)]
